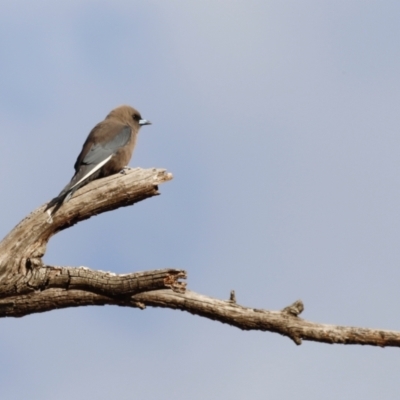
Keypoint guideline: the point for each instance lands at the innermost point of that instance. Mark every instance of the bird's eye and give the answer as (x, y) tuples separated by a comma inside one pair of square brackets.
[(136, 117)]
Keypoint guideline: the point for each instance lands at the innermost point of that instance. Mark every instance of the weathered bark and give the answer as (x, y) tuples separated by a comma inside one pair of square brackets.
[(49, 288), (28, 286), (26, 244)]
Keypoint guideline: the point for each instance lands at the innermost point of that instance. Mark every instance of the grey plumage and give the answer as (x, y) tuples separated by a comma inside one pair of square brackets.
[(106, 151)]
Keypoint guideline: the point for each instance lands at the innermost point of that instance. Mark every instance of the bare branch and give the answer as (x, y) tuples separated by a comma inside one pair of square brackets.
[(48, 288), (280, 322), (226, 312), (28, 286)]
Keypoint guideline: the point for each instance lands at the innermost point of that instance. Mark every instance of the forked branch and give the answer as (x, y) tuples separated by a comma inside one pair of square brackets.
[(28, 286)]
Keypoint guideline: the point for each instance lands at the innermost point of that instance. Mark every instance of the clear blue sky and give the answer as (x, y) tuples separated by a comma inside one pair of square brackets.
[(280, 122)]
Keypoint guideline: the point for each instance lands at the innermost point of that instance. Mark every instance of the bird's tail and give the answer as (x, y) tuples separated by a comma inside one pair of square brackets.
[(64, 195), (81, 178), (57, 202)]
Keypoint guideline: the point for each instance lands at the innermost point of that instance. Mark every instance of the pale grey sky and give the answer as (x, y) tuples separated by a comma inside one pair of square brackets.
[(280, 123)]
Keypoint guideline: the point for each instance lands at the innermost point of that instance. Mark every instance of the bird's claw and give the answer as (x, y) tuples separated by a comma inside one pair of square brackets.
[(123, 170)]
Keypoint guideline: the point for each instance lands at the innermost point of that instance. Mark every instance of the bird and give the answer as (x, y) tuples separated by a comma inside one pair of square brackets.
[(106, 151)]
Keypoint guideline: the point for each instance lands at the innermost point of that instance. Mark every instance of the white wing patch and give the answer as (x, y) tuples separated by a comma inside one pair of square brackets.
[(96, 168)]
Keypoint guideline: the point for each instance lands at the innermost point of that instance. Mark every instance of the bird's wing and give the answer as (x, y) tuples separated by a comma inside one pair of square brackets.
[(100, 151), (96, 154)]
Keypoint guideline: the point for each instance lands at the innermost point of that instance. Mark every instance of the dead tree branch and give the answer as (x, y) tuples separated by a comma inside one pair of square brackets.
[(28, 286)]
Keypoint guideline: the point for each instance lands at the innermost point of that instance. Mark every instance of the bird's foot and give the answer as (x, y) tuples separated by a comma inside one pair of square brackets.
[(125, 169)]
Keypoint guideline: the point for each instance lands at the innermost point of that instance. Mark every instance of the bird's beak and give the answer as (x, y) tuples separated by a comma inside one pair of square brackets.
[(144, 122)]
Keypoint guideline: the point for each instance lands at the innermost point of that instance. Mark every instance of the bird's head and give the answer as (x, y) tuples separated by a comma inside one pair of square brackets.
[(128, 115)]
